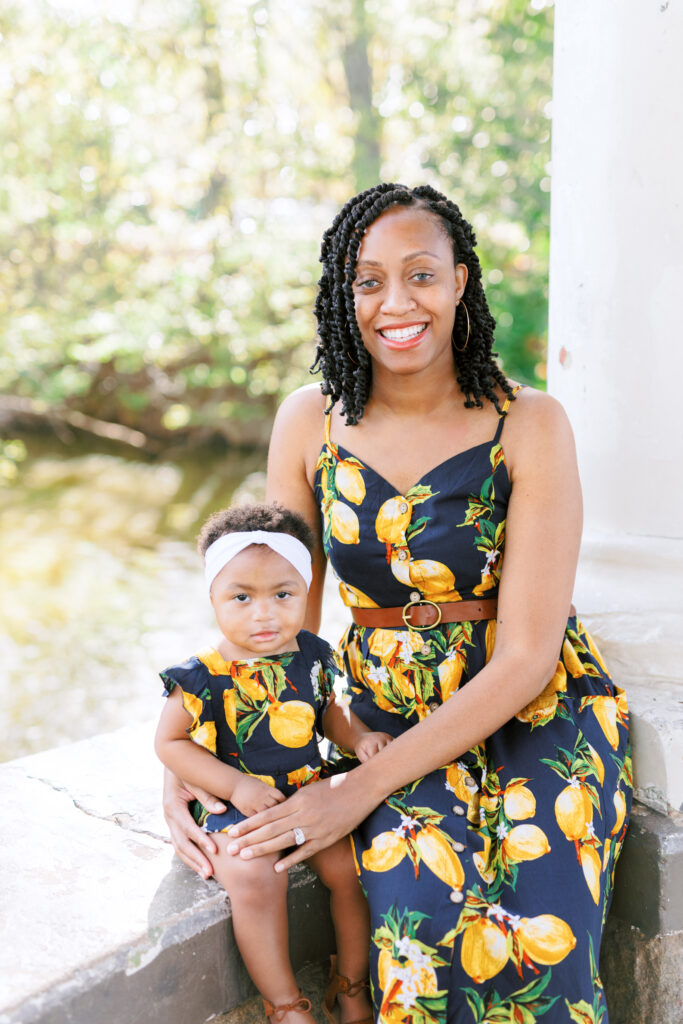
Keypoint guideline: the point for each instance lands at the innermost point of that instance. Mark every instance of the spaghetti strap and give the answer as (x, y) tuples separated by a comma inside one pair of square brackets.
[(328, 423), (504, 412)]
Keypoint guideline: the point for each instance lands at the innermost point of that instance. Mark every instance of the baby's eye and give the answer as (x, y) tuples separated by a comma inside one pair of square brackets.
[(282, 594), (241, 598)]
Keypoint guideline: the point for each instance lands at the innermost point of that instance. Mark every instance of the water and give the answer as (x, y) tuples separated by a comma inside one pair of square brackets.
[(101, 586)]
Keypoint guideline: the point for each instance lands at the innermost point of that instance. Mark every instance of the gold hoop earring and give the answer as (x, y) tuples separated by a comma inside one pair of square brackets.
[(463, 347)]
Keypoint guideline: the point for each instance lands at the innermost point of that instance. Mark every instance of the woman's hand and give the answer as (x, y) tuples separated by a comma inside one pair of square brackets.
[(325, 811), (251, 796), (190, 842)]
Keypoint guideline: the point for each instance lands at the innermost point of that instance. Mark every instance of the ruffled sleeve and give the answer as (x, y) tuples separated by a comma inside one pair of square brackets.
[(191, 679)]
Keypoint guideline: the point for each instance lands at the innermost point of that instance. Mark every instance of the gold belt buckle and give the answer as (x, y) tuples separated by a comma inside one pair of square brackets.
[(405, 614)]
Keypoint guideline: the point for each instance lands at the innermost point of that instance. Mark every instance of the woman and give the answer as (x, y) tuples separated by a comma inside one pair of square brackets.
[(487, 832)]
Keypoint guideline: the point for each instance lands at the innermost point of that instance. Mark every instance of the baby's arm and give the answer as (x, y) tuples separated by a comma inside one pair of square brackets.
[(348, 732), (198, 766)]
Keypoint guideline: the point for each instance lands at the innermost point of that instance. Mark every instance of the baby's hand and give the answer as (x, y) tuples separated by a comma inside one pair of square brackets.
[(370, 744), (250, 796)]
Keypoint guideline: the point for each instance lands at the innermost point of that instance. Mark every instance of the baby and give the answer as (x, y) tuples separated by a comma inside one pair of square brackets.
[(241, 721)]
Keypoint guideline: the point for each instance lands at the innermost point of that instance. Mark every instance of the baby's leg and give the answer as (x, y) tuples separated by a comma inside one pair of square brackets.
[(351, 917), (258, 896)]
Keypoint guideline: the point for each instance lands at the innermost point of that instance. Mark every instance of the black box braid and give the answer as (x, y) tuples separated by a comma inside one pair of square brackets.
[(341, 356)]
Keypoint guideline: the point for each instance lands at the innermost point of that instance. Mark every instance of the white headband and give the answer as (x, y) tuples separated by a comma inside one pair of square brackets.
[(224, 549)]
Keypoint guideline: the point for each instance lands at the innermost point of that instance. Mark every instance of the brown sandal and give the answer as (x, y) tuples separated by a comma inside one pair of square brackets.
[(277, 1012), (338, 983)]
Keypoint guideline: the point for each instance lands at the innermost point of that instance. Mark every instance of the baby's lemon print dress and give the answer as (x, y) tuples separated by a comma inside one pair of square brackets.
[(490, 879), (262, 715)]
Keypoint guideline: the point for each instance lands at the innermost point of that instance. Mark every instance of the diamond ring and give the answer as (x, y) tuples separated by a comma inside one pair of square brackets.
[(299, 837)]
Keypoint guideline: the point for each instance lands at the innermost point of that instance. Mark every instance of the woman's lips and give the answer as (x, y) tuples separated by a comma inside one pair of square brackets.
[(403, 336)]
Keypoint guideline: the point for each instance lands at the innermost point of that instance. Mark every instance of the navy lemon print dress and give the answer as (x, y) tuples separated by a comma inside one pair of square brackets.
[(260, 715), (490, 879)]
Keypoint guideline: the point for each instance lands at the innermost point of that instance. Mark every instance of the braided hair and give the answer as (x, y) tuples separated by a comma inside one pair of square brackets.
[(340, 355)]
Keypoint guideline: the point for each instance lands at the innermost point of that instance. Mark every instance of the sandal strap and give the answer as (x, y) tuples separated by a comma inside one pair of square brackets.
[(278, 1012), (339, 983)]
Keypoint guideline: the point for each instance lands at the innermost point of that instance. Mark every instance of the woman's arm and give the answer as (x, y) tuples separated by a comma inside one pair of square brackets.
[(543, 531)]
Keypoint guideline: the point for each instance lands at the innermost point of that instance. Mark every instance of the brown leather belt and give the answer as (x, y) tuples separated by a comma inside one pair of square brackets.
[(424, 614)]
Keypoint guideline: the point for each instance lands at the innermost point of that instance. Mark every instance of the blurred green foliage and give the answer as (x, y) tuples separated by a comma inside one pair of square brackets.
[(170, 165)]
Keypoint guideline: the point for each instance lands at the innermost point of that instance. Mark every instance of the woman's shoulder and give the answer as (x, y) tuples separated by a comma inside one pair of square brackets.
[(305, 404), (535, 422)]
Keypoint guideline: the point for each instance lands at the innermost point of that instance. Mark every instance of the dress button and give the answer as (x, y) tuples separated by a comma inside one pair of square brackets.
[(403, 507), (414, 595), (470, 783), (458, 847), (433, 705), (425, 649), (459, 810), (402, 555), (456, 896)]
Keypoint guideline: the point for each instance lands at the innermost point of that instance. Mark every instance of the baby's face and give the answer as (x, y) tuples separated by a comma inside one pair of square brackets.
[(259, 600)]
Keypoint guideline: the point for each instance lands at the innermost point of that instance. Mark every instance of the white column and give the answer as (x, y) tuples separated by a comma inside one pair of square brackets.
[(615, 356)]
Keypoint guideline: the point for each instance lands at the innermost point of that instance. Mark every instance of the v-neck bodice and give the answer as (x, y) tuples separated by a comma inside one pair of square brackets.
[(443, 537)]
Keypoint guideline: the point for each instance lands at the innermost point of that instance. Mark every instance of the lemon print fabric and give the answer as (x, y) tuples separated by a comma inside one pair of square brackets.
[(488, 880), (263, 716)]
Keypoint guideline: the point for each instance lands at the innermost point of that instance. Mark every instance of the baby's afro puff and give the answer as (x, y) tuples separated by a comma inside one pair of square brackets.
[(272, 518)]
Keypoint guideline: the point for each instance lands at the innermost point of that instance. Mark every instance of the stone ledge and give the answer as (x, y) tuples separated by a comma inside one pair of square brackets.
[(101, 922)]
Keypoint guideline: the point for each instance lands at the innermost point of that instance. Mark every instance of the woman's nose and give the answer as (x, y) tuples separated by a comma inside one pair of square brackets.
[(397, 297)]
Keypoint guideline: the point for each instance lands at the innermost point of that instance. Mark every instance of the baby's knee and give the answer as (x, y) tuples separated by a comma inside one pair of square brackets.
[(249, 882)]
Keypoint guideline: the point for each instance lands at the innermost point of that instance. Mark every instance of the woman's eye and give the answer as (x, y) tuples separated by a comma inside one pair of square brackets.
[(422, 275), (367, 283)]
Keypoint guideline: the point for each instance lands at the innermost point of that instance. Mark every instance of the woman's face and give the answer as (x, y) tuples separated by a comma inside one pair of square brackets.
[(406, 290)]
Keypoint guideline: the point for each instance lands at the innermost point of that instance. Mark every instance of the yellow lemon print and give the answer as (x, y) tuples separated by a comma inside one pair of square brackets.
[(571, 659), (526, 842), (597, 761), (205, 736), (432, 577), (245, 682), (300, 776), (487, 583), (349, 481), (230, 708), (573, 811), (542, 708), (455, 778), (484, 950), (605, 853), (450, 674), (519, 802), (590, 863), (215, 662), (388, 849), (291, 723), (546, 939), (481, 862), (440, 857), (355, 598), (490, 640), (393, 520), (620, 808), (595, 652), (605, 710), (344, 524), (193, 705)]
